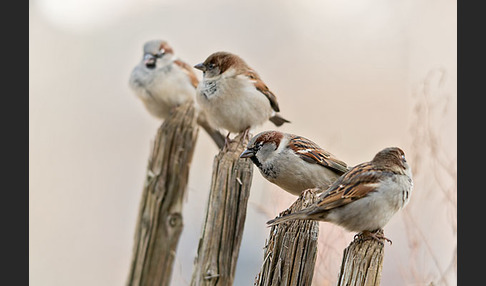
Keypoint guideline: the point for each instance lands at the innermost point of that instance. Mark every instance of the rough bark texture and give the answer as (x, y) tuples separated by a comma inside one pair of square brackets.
[(291, 251), (362, 263), (159, 223), (222, 232)]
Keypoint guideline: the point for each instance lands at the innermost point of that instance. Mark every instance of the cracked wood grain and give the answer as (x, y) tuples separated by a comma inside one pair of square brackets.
[(222, 231), (362, 263), (159, 222), (290, 253)]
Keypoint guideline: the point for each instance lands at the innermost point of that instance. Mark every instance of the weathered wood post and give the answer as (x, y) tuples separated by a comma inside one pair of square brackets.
[(222, 231), (159, 223), (362, 263), (290, 253)]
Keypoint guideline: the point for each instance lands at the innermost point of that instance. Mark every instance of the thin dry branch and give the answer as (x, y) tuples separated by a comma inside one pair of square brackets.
[(435, 179), (159, 223)]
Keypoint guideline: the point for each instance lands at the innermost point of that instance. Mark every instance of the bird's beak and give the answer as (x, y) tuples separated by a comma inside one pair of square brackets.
[(247, 153), (149, 61), (201, 67)]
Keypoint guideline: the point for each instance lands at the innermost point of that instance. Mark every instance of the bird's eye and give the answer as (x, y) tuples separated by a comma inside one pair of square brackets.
[(160, 53), (211, 65), (403, 158)]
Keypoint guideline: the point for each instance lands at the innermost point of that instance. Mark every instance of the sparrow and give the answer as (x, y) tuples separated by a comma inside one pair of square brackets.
[(234, 96), (292, 162), (365, 198), (162, 82)]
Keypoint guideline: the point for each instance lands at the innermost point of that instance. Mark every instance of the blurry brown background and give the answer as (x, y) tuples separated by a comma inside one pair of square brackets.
[(353, 76)]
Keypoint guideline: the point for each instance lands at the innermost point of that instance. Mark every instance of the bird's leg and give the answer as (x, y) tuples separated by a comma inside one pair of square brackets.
[(377, 235), (227, 141), (246, 133)]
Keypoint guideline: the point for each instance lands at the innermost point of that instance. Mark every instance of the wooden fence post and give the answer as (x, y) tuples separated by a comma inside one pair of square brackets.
[(222, 231), (290, 253), (362, 263), (159, 223)]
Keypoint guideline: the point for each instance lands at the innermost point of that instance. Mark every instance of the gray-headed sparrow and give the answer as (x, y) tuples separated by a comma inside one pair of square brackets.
[(162, 81), (365, 198), (233, 95), (293, 162)]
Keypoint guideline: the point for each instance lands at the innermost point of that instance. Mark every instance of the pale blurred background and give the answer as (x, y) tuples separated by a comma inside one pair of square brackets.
[(353, 76)]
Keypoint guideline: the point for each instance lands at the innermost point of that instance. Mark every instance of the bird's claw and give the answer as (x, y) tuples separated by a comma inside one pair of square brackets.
[(377, 235)]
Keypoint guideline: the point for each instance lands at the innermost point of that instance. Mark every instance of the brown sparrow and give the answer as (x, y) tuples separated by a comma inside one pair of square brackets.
[(293, 162), (365, 198), (233, 95), (162, 82)]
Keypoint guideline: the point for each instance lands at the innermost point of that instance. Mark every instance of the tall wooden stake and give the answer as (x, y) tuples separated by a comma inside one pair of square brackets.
[(159, 223), (222, 232), (362, 263), (291, 251)]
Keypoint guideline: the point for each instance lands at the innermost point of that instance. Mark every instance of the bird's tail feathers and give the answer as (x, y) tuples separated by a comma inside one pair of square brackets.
[(278, 120), (287, 217)]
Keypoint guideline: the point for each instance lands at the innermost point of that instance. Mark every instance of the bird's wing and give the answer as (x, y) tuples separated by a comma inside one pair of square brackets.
[(263, 88), (189, 71), (360, 181), (312, 153)]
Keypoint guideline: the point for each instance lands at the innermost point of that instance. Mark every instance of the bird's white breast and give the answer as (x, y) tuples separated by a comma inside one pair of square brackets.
[(375, 209), (161, 89), (287, 170), (233, 103)]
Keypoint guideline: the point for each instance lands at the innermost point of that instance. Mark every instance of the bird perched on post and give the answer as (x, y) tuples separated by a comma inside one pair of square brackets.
[(293, 162), (234, 96), (162, 82), (365, 198)]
